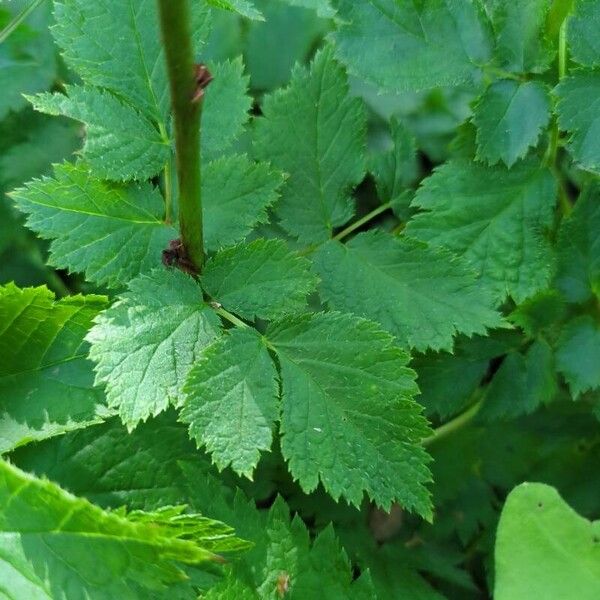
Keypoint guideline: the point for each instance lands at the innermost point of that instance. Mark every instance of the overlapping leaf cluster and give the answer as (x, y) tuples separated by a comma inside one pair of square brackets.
[(350, 294)]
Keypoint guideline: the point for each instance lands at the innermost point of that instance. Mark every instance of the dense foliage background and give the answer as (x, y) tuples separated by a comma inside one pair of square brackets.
[(430, 167)]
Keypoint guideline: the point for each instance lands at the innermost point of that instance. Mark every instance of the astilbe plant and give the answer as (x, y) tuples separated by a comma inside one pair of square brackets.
[(280, 320)]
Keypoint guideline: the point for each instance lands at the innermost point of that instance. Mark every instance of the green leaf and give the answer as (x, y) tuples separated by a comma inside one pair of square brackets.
[(544, 549), (55, 545), (314, 131), (145, 344), (262, 279), (579, 249), (421, 295), (231, 400), (288, 34), (111, 232), (242, 7), (322, 7), (236, 194), (522, 45), (522, 383), (348, 418), (582, 33), (27, 57), (225, 107), (578, 355), (579, 114), (494, 218), (510, 117), (120, 143), (447, 381), (398, 168), (46, 381), (401, 45), (116, 45), (320, 570)]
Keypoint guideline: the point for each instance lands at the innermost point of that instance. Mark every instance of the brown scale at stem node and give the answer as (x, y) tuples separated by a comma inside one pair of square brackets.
[(202, 77), (176, 256)]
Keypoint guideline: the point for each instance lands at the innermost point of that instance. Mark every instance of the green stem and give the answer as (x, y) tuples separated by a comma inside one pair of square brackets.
[(562, 50), (231, 318), (368, 217), (18, 19), (168, 179), (454, 424), (177, 41)]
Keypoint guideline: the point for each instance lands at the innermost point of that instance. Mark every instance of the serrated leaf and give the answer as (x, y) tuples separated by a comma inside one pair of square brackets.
[(111, 232), (145, 344), (46, 381), (578, 249), (348, 418), (120, 143), (582, 33), (314, 131), (523, 383), (578, 355), (242, 7), (55, 545), (398, 168), (421, 295), (236, 194), (494, 218), (27, 56), (544, 549), (262, 279), (231, 400), (510, 117), (225, 107), (579, 114), (116, 45), (522, 45), (433, 44)]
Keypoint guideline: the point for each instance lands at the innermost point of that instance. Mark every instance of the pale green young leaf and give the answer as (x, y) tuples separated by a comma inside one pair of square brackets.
[(578, 354), (401, 45), (315, 132), (510, 116), (523, 383), (145, 344), (55, 545), (578, 249), (398, 168), (242, 7), (348, 418), (120, 143), (111, 232), (262, 279), (27, 57), (579, 115), (582, 33), (544, 549), (495, 218), (46, 381), (236, 194), (115, 44), (225, 107), (231, 401), (423, 296), (522, 45)]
